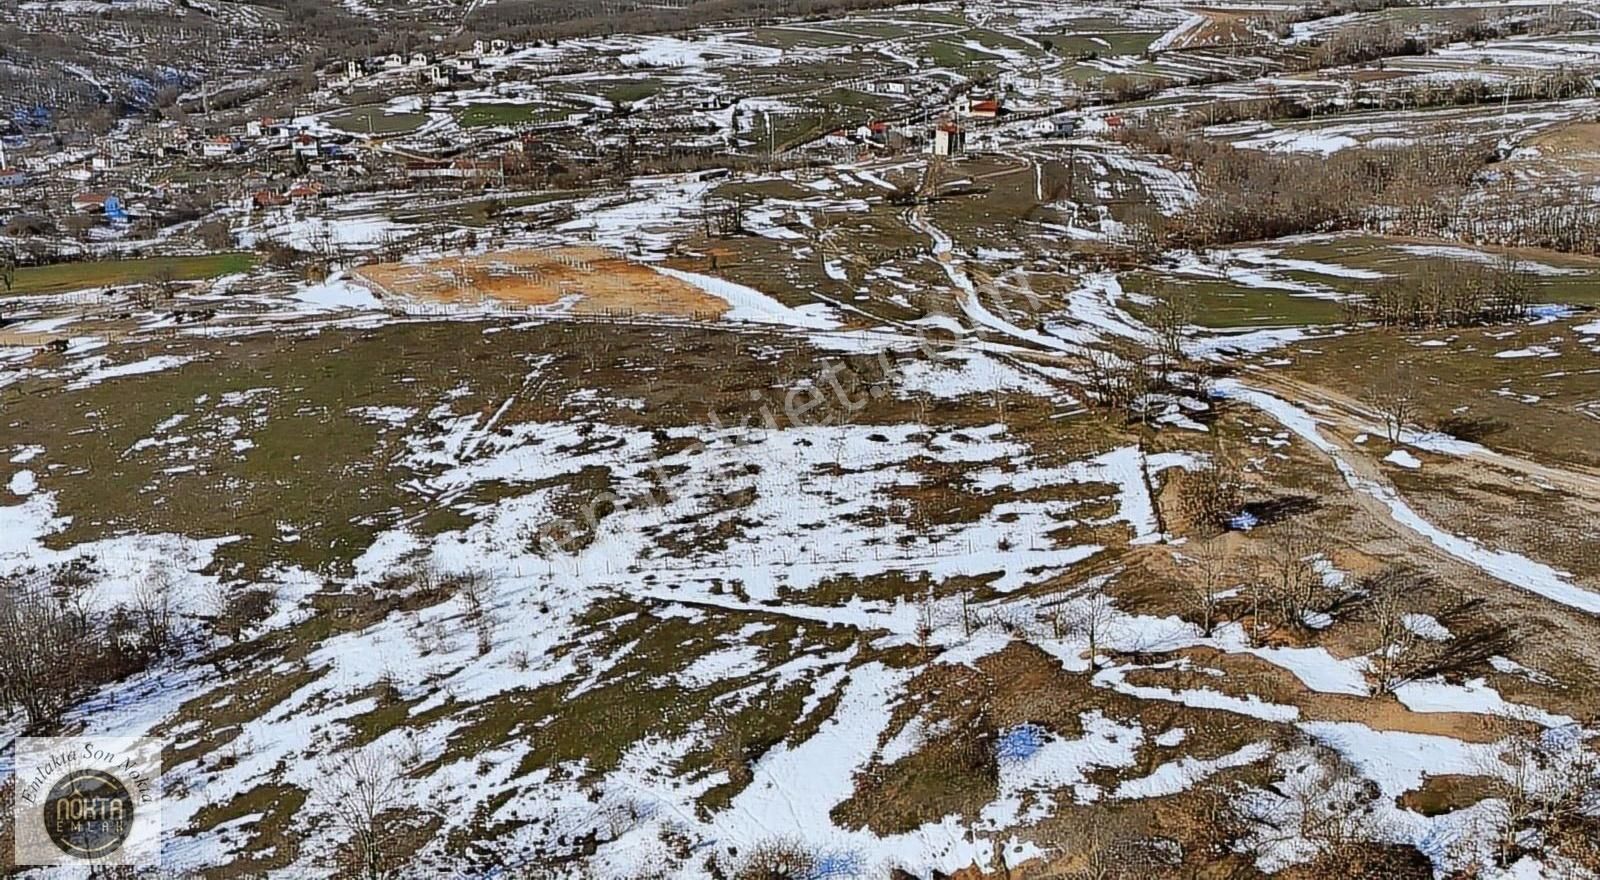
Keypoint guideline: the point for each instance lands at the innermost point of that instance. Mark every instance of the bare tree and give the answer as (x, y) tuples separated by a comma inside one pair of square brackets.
[(1090, 618), (1400, 653), (152, 608), (776, 860), (1211, 573), (1397, 396), (1287, 569), (165, 279), (1221, 843), (42, 652), (475, 590), (1212, 494), (1170, 319), (356, 789), (215, 234), (235, 609), (1324, 804), (1546, 789)]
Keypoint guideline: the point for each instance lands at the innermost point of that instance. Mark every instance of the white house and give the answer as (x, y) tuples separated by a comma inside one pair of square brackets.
[(219, 147), (948, 139)]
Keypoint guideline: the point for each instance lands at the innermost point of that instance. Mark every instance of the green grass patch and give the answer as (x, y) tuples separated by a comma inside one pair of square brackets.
[(1108, 43), (64, 277), (946, 54), (478, 212), (1556, 277), (1223, 304), (271, 846), (877, 30), (996, 40), (797, 37), (1526, 406), (617, 91), (935, 16), (372, 119), (488, 114)]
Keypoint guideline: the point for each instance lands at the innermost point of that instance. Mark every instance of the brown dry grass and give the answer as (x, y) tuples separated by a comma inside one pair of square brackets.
[(1572, 149), (1575, 139), (600, 282)]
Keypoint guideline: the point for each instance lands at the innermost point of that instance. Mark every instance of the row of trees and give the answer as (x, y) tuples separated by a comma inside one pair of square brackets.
[(1249, 195), (1447, 293), (559, 19), (1565, 220), (1562, 83)]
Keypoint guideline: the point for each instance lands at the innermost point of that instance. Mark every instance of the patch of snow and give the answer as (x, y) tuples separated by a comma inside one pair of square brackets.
[(23, 483), (1402, 458), (748, 304)]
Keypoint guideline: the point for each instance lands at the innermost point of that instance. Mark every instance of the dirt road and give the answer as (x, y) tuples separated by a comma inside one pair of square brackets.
[(1350, 416)]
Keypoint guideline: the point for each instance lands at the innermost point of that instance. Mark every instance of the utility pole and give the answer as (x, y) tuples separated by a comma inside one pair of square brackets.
[(766, 115), (1072, 179)]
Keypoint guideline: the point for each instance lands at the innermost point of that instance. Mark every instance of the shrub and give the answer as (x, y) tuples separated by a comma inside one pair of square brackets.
[(776, 859)]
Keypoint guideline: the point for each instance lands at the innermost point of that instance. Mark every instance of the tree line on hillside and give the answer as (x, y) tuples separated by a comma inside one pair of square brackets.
[(1375, 40), (1560, 84), (1248, 195), (560, 19), (1447, 293), (1436, 186)]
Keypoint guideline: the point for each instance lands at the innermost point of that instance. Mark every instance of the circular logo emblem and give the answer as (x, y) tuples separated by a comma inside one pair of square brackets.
[(88, 814)]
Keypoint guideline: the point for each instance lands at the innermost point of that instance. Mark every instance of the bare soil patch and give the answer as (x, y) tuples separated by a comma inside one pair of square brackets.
[(587, 280)]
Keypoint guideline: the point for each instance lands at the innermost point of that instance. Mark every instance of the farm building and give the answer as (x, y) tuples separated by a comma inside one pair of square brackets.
[(266, 198), (985, 108), (948, 139), (86, 202), (219, 147), (305, 191)]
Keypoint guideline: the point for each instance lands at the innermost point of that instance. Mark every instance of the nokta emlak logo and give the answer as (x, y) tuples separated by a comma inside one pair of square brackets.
[(89, 814), (87, 800)]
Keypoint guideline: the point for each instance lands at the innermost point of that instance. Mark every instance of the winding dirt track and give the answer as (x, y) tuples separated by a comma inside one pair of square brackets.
[(1349, 415)]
